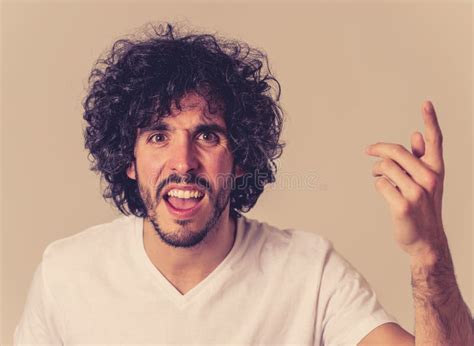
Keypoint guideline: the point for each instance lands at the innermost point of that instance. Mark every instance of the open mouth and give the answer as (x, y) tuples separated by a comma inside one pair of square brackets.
[(185, 205)]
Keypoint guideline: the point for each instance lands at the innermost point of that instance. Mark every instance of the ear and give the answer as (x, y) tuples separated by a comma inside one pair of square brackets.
[(131, 171)]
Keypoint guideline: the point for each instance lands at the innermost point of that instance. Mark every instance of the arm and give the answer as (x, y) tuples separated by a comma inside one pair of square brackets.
[(441, 316), (412, 185)]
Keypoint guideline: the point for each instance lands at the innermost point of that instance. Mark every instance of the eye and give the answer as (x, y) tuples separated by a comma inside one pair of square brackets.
[(157, 138), (209, 137)]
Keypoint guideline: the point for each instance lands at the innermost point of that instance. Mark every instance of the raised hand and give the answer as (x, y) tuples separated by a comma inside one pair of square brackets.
[(412, 185)]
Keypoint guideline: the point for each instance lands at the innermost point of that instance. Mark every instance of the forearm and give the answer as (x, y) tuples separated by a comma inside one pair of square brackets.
[(441, 315)]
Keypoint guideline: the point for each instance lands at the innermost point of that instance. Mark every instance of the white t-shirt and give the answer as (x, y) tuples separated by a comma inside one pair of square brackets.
[(274, 287)]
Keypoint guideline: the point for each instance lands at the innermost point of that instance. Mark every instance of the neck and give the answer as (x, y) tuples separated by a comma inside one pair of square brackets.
[(186, 267)]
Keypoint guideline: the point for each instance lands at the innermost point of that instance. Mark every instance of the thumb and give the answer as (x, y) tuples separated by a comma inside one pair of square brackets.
[(417, 144)]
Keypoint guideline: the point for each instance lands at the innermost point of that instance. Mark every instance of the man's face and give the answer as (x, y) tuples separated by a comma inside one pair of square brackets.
[(184, 167)]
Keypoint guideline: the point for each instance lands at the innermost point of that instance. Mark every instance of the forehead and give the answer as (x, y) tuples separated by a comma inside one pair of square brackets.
[(193, 109), (189, 102)]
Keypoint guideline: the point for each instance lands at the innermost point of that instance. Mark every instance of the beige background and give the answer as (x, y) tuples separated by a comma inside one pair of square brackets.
[(352, 73)]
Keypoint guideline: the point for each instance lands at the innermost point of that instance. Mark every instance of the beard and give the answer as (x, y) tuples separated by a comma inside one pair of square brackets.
[(184, 236)]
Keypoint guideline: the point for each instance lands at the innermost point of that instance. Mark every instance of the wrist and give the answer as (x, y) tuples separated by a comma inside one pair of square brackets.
[(425, 259), (432, 269), (429, 255)]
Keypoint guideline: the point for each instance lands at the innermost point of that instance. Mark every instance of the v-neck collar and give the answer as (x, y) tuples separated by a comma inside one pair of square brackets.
[(209, 283)]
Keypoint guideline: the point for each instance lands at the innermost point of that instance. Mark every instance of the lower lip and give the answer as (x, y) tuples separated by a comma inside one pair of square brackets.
[(184, 212)]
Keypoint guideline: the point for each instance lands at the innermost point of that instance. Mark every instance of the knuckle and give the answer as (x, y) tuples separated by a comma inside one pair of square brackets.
[(398, 149), (417, 194), (380, 183), (431, 182), (403, 208), (376, 165), (385, 164), (375, 171)]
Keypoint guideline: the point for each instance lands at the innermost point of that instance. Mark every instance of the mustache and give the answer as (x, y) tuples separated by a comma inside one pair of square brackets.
[(188, 178)]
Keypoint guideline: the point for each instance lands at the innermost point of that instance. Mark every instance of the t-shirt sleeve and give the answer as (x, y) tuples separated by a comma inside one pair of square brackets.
[(39, 322), (352, 310)]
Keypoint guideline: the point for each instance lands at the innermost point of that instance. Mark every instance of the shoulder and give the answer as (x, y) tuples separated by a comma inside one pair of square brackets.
[(299, 248), (286, 236), (291, 244), (89, 243)]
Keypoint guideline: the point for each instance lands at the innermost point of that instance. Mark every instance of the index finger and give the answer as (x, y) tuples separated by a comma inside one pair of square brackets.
[(434, 137)]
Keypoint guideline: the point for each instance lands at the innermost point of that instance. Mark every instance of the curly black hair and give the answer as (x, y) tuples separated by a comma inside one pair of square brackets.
[(140, 78)]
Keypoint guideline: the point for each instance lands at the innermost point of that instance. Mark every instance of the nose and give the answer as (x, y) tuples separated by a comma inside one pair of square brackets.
[(183, 158)]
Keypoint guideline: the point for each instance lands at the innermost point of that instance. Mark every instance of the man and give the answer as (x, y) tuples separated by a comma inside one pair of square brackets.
[(185, 130)]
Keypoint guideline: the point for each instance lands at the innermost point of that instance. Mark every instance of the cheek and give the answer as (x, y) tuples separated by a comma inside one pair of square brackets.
[(219, 171), (219, 161), (149, 172)]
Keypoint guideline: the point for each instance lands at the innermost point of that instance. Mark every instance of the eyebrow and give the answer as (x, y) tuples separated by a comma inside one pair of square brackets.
[(161, 126), (210, 127)]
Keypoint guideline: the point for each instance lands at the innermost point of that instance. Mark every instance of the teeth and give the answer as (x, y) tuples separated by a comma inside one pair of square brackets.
[(184, 194)]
